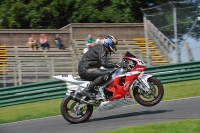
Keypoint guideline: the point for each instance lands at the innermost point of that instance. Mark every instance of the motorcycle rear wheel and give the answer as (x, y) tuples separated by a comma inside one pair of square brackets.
[(71, 115), (153, 97)]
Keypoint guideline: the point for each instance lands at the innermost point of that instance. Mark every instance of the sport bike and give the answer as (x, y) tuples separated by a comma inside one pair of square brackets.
[(127, 81)]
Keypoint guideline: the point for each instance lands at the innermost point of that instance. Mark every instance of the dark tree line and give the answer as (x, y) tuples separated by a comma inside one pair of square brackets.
[(53, 14)]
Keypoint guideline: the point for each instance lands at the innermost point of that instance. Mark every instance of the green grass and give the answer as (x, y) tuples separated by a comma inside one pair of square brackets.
[(30, 111), (182, 89), (52, 107), (186, 126)]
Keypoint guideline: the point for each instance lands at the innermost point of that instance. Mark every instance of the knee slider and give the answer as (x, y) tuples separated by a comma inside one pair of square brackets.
[(107, 76)]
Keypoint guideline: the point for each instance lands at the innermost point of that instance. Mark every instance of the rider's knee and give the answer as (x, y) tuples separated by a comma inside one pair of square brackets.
[(107, 76)]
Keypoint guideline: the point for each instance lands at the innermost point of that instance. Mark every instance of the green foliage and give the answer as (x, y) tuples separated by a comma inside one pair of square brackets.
[(51, 14), (10, 13)]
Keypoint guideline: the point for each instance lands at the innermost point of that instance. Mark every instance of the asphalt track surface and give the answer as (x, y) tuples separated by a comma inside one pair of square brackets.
[(112, 119)]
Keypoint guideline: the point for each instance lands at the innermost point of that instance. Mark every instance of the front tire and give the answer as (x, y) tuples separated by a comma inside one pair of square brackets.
[(75, 116), (151, 98)]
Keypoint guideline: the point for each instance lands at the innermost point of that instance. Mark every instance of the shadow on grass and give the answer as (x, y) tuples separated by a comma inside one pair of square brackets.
[(130, 115)]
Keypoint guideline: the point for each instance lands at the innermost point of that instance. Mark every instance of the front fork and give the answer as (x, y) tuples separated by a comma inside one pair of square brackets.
[(142, 82)]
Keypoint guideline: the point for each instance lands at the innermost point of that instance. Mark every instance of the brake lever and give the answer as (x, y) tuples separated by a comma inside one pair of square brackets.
[(118, 66)]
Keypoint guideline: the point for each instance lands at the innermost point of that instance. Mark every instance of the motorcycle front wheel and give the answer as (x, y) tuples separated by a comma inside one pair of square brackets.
[(151, 98), (73, 115)]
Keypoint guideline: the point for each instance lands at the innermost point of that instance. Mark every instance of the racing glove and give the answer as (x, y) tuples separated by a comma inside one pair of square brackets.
[(123, 65)]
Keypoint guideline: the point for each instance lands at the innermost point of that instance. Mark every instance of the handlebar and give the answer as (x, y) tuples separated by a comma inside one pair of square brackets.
[(118, 66)]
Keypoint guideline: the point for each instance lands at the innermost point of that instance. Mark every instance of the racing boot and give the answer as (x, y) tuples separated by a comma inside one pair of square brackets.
[(87, 91)]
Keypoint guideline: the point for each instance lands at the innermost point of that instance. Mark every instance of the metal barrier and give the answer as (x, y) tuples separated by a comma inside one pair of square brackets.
[(51, 89), (176, 72), (32, 92)]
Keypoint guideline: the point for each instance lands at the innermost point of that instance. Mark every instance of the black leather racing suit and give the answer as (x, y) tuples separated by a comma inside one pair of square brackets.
[(92, 60)]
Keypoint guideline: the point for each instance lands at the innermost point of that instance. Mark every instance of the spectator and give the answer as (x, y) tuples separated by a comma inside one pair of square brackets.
[(32, 43), (87, 47), (58, 42), (44, 42), (89, 39), (98, 40)]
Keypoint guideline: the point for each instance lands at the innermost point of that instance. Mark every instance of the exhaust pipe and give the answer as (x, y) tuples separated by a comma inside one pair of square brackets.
[(78, 98)]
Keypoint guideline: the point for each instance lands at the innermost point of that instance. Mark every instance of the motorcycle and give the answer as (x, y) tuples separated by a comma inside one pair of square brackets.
[(116, 92)]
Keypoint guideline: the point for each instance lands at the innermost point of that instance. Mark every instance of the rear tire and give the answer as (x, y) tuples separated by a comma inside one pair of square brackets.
[(153, 97), (69, 114)]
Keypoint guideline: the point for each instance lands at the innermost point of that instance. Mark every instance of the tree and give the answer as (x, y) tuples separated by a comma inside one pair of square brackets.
[(53, 14), (11, 13)]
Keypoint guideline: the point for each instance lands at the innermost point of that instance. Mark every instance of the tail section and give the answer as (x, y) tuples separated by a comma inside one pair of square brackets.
[(70, 79)]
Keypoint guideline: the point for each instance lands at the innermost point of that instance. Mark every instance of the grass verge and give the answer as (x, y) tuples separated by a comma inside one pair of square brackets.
[(185, 126), (30, 111), (52, 107)]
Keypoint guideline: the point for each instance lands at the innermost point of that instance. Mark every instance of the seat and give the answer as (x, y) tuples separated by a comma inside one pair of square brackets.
[(79, 79)]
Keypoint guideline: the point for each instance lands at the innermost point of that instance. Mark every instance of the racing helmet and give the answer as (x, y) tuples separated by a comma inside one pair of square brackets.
[(110, 43)]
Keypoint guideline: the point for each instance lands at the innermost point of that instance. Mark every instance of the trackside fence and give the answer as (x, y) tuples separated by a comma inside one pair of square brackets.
[(32, 92), (176, 72), (52, 89)]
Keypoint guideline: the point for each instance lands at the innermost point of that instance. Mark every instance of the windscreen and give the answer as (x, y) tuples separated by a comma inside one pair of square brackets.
[(128, 54)]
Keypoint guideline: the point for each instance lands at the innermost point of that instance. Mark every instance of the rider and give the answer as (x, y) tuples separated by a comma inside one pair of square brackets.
[(92, 60)]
